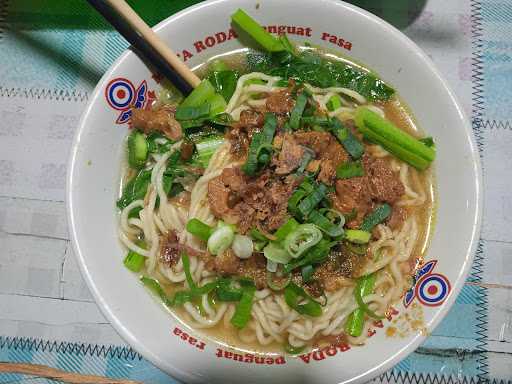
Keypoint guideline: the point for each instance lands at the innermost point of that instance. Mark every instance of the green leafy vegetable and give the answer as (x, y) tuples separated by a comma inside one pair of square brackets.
[(429, 142), (203, 93), (394, 140), (135, 189), (309, 67), (191, 113), (224, 82), (205, 148), (256, 31)]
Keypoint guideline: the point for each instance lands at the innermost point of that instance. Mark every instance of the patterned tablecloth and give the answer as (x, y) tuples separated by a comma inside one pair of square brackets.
[(52, 53)]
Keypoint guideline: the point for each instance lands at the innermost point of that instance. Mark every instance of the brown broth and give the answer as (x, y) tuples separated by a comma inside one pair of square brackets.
[(397, 112)]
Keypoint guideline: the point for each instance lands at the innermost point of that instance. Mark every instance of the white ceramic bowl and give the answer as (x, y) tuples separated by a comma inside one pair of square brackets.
[(94, 175)]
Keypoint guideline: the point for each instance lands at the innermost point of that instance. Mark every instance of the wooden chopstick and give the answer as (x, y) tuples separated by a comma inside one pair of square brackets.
[(59, 375), (147, 43)]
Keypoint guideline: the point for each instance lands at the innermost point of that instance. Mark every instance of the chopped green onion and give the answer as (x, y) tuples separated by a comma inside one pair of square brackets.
[(271, 266), (308, 156), (357, 236), (155, 287), (274, 252), (314, 255), (355, 321), (349, 169), (137, 149), (353, 146), (334, 103), (306, 272), (394, 140), (256, 31), (297, 110), (277, 286), (310, 202), (134, 261), (227, 291), (325, 225), (378, 215), (242, 313), (360, 286), (200, 95), (301, 239), (220, 239), (257, 235), (285, 229), (293, 294), (186, 268), (261, 144), (316, 120), (293, 350), (199, 229), (242, 246)]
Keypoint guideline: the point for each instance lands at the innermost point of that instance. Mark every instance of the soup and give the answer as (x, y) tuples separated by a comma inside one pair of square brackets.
[(284, 204)]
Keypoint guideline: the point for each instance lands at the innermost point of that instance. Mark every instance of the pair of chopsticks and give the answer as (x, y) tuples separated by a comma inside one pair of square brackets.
[(147, 43), (59, 375)]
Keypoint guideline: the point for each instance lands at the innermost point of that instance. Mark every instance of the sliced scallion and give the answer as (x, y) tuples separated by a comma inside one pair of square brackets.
[(349, 169), (377, 216), (242, 313), (134, 261), (301, 239), (293, 294), (357, 236), (199, 229)]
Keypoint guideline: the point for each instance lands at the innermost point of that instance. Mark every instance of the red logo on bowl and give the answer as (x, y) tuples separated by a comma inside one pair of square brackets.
[(431, 289), (122, 95)]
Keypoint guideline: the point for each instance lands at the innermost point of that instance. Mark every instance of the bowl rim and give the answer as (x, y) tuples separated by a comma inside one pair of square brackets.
[(372, 372)]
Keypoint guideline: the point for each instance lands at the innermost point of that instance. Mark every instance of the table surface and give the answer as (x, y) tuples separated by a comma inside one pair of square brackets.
[(51, 56)]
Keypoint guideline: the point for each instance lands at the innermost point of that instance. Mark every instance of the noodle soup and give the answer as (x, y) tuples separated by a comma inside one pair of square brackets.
[(284, 204)]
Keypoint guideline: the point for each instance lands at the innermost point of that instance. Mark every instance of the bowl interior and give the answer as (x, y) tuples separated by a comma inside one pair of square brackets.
[(199, 33)]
